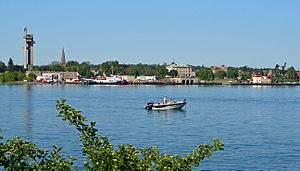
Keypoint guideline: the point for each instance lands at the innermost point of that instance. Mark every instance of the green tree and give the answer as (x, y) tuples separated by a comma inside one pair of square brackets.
[(173, 73), (205, 74), (72, 63), (10, 65), (73, 68), (2, 79), (220, 74), (144, 69), (111, 66), (7, 77), (12, 76), (277, 76), (20, 76), (2, 67), (160, 71), (84, 70), (291, 72), (56, 67), (42, 68), (232, 72), (31, 77), (132, 70)]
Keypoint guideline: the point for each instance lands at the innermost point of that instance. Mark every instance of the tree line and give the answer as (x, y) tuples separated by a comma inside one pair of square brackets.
[(88, 70), (245, 73), (205, 73), (12, 72)]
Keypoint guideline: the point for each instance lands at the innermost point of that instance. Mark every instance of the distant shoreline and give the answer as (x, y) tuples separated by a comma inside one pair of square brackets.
[(199, 84)]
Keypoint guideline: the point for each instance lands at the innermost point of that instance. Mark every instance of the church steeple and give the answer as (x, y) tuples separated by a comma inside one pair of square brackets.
[(63, 58)]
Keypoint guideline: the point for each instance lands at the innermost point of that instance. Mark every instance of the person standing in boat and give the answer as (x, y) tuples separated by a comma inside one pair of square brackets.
[(165, 100)]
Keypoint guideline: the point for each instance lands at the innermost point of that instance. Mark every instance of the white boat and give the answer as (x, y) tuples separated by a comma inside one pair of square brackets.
[(165, 105), (108, 80)]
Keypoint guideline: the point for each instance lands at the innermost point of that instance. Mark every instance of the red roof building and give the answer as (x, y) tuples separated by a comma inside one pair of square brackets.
[(255, 74)]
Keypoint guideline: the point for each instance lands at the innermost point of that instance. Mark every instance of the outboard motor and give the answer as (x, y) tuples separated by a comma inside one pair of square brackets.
[(149, 105)]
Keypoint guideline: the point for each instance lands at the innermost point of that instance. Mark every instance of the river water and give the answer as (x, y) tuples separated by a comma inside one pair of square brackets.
[(260, 126)]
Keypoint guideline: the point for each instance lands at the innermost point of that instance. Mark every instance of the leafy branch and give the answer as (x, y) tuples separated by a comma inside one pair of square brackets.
[(18, 154)]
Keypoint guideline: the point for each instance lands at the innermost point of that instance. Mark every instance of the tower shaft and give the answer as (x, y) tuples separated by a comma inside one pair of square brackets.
[(28, 50), (25, 48)]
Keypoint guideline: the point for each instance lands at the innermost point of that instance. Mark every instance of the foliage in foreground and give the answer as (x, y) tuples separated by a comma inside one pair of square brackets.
[(17, 154)]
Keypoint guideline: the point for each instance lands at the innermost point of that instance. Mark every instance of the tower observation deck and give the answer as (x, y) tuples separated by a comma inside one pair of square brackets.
[(28, 50)]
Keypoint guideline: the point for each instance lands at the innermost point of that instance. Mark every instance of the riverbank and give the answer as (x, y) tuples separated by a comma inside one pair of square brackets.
[(13, 83), (166, 84)]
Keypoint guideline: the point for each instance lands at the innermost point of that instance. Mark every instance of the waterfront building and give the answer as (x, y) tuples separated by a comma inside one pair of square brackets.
[(260, 79), (185, 74), (60, 76), (50, 77), (184, 80), (183, 70)]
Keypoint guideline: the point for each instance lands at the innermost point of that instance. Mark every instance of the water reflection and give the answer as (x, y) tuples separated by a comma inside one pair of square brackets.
[(27, 106), (167, 113)]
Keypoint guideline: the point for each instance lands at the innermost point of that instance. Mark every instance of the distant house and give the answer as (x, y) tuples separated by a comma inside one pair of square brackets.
[(298, 74), (215, 69), (260, 79)]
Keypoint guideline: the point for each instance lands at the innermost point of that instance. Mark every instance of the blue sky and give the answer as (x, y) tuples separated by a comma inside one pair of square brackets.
[(257, 33)]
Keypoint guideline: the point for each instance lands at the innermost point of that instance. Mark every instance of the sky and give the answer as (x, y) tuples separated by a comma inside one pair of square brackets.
[(256, 33)]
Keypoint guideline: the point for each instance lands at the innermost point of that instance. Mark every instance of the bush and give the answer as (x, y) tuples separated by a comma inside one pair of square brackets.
[(31, 77), (12, 76)]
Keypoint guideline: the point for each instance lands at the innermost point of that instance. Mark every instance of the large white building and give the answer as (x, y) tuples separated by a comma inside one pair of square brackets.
[(183, 70), (185, 74)]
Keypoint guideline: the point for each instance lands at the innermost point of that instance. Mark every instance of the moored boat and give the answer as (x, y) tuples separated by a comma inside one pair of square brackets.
[(113, 80)]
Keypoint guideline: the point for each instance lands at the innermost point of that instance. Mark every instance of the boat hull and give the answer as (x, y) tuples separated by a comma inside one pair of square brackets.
[(102, 83), (168, 106)]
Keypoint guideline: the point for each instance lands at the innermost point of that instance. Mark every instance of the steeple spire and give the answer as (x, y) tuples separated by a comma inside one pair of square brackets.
[(63, 58)]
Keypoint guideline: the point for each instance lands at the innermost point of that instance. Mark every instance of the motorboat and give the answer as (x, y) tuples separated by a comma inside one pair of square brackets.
[(166, 105)]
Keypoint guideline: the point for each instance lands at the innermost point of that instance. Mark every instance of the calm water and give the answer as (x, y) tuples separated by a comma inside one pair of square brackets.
[(260, 126)]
